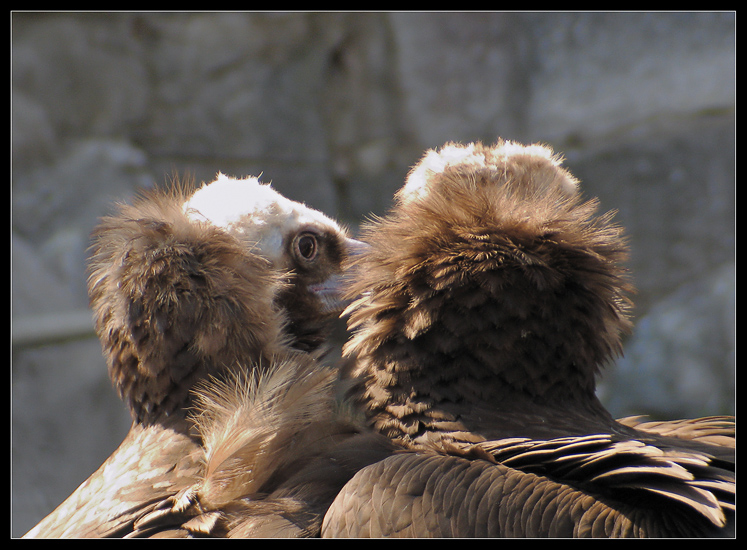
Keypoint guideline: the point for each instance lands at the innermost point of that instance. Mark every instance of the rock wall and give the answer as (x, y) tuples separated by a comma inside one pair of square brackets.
[(333, 108)]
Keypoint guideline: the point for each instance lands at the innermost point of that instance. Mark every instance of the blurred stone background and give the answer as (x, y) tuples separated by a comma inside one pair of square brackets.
[(333, 108)]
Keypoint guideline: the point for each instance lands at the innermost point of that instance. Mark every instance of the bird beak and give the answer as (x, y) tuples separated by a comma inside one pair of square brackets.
[(331, 291), (356, 248)]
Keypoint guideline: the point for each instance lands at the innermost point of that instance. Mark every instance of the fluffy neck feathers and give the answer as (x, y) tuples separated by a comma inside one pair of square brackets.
[(489, 283)]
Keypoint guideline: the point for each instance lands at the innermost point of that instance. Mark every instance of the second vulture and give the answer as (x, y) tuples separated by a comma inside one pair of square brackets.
[(489, 301)]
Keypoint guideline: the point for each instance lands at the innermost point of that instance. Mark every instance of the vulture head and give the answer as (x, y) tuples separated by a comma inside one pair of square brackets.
[(303, 244), (185, 284), (491, 280)]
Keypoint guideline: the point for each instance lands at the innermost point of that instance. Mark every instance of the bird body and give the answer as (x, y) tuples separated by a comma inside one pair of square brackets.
[(182, 298), (488, 303)]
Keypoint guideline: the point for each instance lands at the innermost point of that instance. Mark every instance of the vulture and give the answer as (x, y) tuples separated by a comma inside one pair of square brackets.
[(202, 298), (490, 299)]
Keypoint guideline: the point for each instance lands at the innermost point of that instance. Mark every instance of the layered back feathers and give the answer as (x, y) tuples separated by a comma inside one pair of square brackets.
[(277, 450)]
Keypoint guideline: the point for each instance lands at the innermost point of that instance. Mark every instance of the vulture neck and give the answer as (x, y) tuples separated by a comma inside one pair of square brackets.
[(487, 335), (308, 329), (463, 375)]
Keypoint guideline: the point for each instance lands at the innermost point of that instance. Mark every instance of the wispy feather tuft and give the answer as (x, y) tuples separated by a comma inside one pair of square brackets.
[(253, 424)]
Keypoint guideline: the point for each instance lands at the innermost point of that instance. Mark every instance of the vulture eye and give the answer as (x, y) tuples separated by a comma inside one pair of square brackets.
[(306, 246)]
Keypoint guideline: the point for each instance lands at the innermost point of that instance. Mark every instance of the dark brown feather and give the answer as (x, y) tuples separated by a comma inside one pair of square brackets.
[(491, 298)]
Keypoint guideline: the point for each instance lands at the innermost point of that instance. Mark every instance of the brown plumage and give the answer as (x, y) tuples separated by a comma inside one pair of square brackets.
[(490, 299), (277, 450), (188, 287)]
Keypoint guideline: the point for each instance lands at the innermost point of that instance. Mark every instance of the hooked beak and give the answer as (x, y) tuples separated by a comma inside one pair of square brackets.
[(331, 291)]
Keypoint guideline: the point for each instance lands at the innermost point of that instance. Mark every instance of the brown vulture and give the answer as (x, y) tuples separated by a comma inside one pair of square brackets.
[(490, 298), (198, 295)]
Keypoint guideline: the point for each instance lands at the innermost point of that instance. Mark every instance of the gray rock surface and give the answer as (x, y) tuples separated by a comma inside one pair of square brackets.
[(334, 108)]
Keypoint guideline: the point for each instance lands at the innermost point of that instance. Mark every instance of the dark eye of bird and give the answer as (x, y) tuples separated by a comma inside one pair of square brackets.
[(306, 246)]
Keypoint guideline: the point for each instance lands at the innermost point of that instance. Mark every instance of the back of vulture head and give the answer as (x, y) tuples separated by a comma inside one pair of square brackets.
[(490, 279)]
